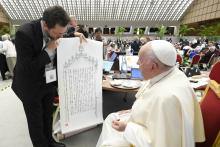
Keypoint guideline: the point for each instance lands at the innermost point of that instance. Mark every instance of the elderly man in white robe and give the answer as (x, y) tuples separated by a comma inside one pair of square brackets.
[(165, 113)]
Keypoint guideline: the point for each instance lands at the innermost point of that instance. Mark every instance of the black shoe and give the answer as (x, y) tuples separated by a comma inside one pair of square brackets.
[(57, 144)]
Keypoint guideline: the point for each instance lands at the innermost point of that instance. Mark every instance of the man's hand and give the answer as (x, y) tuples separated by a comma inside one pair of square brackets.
[(81, 37), (119, 125)]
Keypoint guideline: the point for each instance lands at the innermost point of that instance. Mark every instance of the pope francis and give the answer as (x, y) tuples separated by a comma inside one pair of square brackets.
[(165, 113)]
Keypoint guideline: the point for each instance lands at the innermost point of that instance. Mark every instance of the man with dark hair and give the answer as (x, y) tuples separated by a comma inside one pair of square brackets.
[(98, 37), (98, 34), (35, 72)]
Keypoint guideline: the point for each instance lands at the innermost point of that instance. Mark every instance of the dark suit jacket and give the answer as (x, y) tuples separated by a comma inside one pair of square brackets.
[(135, 46), (31, 60), (206, 57), (3, 65)]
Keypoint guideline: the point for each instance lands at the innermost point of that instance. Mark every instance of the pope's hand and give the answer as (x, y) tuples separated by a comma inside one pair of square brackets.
[(119, 125)]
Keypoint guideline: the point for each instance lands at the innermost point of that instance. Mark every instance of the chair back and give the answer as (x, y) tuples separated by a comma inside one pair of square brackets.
[(217, 53), (217, 141), (211, 61), (215, 72), (210, 107), (195, 60)]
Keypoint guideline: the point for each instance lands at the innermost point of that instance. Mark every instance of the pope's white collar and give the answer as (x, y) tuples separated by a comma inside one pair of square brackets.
[(157, 78)]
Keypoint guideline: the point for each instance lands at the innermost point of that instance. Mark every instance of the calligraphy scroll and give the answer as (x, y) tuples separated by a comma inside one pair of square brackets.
[(80, 83)]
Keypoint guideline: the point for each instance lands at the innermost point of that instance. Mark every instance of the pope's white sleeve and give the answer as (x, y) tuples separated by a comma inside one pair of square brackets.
[(158, 131), (137, 135)]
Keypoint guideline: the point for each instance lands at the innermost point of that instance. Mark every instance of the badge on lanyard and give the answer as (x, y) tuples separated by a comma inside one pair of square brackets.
[(50, 73)]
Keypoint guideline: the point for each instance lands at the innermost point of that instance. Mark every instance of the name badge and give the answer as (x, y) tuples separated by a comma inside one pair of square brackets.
[(51, 75)]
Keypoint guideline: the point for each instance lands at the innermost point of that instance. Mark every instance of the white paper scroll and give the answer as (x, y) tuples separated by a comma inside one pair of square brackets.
[(80, 83)]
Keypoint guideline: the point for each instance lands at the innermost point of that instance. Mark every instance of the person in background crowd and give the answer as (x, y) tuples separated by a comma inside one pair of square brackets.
[(3, 63), (207, 55), (82, 29), (143, 41), (193, 52), (98, 35), (135, 45), (71, 30), (10, 53)]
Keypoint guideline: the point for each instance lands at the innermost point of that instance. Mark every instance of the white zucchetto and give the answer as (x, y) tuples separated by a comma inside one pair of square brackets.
[(164, 51)]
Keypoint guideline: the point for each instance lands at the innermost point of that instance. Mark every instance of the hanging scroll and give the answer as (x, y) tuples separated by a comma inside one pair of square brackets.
[(80, 84)]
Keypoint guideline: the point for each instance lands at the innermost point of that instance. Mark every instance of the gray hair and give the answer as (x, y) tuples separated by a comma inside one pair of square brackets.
[(72, 17), (5, 37)]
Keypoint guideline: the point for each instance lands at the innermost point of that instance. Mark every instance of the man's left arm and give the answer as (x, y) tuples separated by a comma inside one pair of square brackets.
[(81, 36)]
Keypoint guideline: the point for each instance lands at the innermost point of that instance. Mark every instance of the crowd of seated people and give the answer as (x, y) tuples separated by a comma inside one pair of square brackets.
[(186, 49), (125, 46), (205, 49)]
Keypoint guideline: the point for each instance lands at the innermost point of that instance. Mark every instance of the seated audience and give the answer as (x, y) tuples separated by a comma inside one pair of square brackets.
[(144, 40), (109, 50), (185, 50), (206, 56), (193, 52), (165, 113)]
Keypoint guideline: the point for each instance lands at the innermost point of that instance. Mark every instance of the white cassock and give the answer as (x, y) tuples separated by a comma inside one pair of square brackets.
[(165, 114)]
